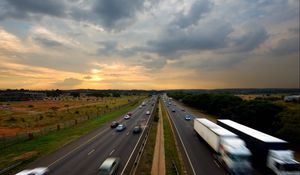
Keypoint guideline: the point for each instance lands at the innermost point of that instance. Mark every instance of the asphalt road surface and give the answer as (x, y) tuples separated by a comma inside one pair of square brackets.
[(198, 156), (86, 154)]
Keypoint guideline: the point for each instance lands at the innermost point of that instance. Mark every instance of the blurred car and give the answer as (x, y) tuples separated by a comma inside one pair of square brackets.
[(35, 171), (187, 117), (136, 129), (129, 113), (173, 110), (140, 106), (114, 124), (120, 127), (182, 109), (109, 166), (147, 112), (126, 117)]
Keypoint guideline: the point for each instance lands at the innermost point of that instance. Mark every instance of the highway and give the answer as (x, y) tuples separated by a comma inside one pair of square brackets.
[(86, 154), (198, 157)]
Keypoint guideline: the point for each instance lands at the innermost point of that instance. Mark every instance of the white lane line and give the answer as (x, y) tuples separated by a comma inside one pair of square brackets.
[(88, 141), (111, 152), (182, 143), (127, 133), (217, 163), (136, 145), (91, 152)]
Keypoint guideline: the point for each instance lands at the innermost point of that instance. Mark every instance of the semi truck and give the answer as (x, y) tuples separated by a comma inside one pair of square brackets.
[(268, 153), (229, 149)]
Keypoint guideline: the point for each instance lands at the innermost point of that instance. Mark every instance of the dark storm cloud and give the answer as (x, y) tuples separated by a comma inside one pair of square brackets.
[(253, 37), (287, 46), (69, 82), (110, 48), (22, 9), (46, 42), (197, 10), (206, 36), (117, 13)]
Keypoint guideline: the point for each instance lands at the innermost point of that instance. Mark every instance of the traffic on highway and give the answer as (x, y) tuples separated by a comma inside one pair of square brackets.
[(110, 149)]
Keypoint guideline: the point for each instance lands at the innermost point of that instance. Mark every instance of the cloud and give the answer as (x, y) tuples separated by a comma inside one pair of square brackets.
[(68, 82), (246, 38), (174, 41), (287, 46), (197, 10), (87, 77), (24, 9), (47, 42), (114, 14)]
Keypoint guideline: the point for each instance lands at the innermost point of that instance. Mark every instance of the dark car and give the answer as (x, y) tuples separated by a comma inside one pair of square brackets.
[(136, 129), (114, 124)]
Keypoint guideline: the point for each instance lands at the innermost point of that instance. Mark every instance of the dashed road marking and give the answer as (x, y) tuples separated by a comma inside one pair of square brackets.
[(111, 152), (91, 152), (217, 163)]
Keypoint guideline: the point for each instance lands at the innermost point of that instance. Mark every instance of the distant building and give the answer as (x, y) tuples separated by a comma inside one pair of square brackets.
[(291, 98), (21, 96)]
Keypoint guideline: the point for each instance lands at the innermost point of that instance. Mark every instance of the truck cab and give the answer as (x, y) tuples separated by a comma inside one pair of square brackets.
[(282, 162), (235, 155)]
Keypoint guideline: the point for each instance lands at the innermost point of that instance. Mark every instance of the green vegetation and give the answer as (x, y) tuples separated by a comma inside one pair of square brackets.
[(172, 154), (145, 164), (266, 114), (30, 150)]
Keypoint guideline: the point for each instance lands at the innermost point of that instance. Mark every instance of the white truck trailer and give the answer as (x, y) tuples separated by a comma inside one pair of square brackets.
[(229, 148), (268, 152)]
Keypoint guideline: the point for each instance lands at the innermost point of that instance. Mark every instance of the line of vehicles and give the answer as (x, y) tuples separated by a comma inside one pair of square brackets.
[(110, 165), (239, 148)]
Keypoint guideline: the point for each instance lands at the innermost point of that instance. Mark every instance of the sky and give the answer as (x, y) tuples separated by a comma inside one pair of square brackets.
[(149, 44)]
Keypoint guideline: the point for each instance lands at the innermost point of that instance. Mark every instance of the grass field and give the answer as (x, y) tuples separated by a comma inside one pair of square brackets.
[(31, 115), (32, 149), (145, 164)]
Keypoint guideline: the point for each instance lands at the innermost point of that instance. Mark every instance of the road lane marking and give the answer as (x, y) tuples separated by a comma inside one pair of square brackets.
[(64, 156), (136, 144), (127, 133), (111, 152), (88, 141), (217, 163), (91, 152), (182, 142)]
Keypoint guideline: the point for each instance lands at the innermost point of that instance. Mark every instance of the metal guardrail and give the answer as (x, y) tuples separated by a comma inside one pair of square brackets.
[(143, 144)]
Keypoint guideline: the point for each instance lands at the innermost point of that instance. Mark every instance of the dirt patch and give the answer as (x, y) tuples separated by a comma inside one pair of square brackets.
[(5, 131), (8, 132), (25, 155)]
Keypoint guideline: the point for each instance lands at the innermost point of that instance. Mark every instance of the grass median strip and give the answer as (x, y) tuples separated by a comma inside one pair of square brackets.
[(145, 164), (32, 149), (173, 163)]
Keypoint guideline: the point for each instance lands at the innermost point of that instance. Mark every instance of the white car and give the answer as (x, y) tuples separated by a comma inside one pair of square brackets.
[(126, 117), (147, 112), (35, 171), (109, 166)]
